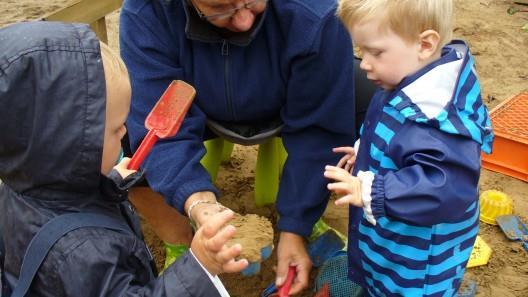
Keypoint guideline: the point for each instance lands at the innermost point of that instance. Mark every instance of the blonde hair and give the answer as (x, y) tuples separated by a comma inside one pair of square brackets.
[(406, 18), (114, 67)]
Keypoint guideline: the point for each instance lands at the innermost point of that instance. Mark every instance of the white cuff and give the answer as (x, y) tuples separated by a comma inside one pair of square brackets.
[(356, 146), (366, 178), (214, 279)]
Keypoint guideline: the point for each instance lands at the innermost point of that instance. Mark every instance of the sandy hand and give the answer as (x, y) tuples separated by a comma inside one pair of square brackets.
[(210, 247)]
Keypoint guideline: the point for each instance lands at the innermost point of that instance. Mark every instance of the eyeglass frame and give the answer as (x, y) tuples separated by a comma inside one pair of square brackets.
[(227, 14)]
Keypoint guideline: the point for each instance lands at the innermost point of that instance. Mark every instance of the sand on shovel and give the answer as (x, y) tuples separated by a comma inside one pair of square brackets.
[(253, 232)]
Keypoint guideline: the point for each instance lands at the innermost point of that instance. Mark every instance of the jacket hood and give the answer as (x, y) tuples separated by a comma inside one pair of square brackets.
[(52, 114), (446, 95)]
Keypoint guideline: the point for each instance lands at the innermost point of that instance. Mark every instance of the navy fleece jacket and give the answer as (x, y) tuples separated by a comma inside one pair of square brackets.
[(296, 63)]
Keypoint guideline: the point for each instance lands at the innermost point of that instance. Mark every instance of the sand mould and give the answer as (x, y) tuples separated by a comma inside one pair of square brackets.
[(253, 233)]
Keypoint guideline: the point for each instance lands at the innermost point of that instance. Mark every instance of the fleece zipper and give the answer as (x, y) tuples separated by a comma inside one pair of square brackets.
[(225, 54)]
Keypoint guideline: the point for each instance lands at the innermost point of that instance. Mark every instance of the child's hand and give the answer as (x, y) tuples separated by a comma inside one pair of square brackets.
[(348, 160), (209, 245), (346, 184), (122, 168)]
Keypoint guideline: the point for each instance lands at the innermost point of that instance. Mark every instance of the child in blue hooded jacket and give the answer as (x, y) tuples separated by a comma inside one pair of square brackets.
[(64, 99), (413, 186)]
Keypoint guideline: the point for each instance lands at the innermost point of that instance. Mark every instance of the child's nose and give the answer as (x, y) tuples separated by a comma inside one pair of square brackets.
[(365, 65)]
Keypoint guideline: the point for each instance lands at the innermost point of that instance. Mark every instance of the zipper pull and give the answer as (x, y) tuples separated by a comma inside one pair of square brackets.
[(225, 48)]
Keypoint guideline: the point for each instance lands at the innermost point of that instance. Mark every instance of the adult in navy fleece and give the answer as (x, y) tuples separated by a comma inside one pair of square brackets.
[(287, 59)]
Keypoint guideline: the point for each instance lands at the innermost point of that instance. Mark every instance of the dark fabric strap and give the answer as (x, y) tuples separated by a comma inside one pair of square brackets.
[(3, 284), (2, 249), (50, 233)]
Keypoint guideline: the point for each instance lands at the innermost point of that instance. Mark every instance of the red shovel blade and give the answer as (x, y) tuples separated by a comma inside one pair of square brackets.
[(165, 118), (168, 113)]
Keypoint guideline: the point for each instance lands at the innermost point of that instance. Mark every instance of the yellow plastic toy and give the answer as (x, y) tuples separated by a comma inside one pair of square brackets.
[(494, 203), (480, 254)]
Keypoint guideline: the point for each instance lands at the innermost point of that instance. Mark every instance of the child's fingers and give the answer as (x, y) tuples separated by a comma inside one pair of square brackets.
[(122, 168), (351, 199), (343, 161), (345, 200), (340, 187), (217, 222), (228, 253), (124, 161), (336, 173), (349, 154), (235, 265), (346, 163), (335, 169), (349, 166), (217, 242), (344, 149)]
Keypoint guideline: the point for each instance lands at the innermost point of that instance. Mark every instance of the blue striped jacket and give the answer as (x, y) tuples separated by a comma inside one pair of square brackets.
[(422, 141)]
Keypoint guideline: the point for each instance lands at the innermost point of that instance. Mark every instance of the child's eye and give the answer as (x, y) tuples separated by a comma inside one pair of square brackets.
[(376, 53)]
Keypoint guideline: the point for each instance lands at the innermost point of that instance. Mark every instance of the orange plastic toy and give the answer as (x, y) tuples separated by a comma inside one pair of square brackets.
[(510, 147)]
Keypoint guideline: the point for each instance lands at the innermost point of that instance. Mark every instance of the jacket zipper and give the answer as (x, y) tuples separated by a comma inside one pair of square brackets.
[(225, 54)]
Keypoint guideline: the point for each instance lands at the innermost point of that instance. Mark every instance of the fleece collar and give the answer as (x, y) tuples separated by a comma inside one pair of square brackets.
[(200, 30)]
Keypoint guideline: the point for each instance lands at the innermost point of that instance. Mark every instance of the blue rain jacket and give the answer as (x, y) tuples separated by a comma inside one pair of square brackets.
[(423, 142)]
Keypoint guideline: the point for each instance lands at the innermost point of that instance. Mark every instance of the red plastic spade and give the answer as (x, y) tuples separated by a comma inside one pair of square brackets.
[(164, 120), (284, 290)]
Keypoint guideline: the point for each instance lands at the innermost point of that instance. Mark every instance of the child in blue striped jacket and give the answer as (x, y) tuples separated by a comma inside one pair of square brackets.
[(412, 178)]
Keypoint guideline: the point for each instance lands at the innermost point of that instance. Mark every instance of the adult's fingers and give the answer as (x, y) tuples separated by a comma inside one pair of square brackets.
[(301, 279), (282, 271)]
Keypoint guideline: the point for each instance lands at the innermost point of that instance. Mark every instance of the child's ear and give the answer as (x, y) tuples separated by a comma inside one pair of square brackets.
[(429, 42)]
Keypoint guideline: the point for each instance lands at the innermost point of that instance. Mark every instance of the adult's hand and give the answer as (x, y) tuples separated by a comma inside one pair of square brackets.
[(202, 212), (292, 252)]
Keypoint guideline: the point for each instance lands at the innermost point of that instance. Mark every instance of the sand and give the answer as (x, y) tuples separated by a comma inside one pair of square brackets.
[(500, 49), (253, 233)]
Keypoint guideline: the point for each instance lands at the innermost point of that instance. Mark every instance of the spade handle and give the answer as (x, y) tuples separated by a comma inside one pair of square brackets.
[(143, 150)]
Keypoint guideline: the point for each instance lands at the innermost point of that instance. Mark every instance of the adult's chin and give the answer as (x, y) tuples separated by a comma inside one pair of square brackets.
[(242, 21)]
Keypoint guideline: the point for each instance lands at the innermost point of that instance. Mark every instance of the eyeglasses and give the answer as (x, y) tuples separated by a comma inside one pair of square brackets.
[(228, 13)]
